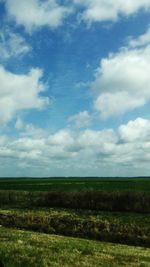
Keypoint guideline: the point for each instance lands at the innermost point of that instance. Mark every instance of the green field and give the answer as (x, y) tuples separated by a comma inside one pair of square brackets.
[(23, 248), (59, 212), (76, 184)]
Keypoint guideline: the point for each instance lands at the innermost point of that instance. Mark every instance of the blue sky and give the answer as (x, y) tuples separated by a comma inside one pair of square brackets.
[(74, 87)]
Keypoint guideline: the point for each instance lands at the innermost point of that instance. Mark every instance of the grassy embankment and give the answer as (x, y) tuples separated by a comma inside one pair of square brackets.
[(23, 248)]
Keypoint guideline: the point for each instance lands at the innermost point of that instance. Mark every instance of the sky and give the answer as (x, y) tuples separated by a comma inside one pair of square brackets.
[(74, 88)]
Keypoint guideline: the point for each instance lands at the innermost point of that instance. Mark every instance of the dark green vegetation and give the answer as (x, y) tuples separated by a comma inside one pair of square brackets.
[(76, 184), (94, 200), (113, 210), (24, 249), (128, 228)]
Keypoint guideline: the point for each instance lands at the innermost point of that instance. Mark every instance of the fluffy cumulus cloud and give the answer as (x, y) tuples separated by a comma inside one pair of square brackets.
[(97, 139), (33, 14), (62, 138), (80, 120), (12, 45), (28, 129), (127, 147), (20, 92), (135, 131), (110, 10), (122, 82)]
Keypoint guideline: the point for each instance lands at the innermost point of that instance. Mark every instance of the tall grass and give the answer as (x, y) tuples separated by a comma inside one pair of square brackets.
[(128, 229)]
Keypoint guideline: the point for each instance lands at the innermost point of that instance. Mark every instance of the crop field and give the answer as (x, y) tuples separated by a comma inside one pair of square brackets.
[(76, 184), (71, 222)]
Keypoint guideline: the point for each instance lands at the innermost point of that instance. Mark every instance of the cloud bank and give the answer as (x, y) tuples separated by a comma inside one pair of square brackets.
[(126, 147)]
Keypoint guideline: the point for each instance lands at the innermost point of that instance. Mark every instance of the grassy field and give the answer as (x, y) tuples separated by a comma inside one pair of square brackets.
[(76, 184), (24, 249), (112, 210)]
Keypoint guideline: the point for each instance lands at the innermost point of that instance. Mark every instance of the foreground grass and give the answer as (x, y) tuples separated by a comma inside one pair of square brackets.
[(128, 228), (23, 248)]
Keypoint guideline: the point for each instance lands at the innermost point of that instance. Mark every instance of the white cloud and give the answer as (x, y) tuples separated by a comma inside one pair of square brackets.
[(135, 131), (62, 137), (117, 103), (80, 120), (110, 10), (97, 139), (20, 92), (33, 14), (29, 129), (12, 45), (122, 82), (140, 41)]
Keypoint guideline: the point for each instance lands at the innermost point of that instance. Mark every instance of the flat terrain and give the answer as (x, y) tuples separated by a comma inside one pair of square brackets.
[(24, 248), (64, 222), (76, 184)]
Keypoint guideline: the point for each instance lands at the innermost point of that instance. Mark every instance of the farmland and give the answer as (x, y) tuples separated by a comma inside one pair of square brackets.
[(76, 184), (66, 215)]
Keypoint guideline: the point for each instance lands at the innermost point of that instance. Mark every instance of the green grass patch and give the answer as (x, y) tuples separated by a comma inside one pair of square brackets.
[(23, 248)]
